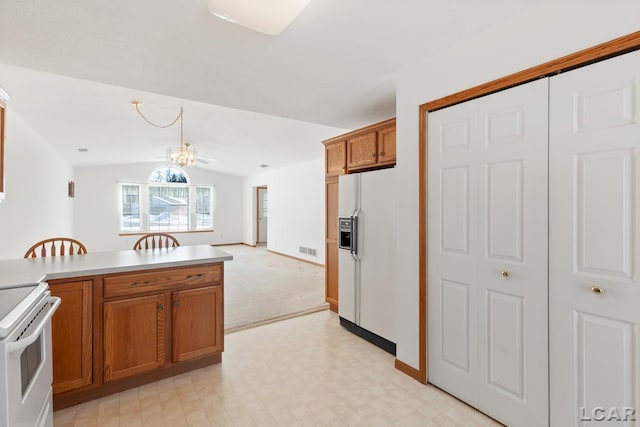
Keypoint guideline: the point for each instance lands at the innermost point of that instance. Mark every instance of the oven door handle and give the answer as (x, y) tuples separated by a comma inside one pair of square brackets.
[(31, 338)]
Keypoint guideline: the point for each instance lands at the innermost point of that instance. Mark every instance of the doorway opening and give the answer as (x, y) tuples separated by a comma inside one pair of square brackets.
[(261, 215)]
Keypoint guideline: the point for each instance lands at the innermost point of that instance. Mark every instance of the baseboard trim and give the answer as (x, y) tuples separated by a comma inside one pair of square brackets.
[(408, 370), (296, 258), (377, 340), (333, 306)]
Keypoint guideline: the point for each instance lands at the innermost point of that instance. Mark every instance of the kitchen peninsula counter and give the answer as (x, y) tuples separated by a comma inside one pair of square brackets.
[(25, 271), (130, 317)]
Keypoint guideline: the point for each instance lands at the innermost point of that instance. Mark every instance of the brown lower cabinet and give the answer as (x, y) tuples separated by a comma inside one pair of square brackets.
[(134, 336), (118, 331), (72, 335), (194, 320)]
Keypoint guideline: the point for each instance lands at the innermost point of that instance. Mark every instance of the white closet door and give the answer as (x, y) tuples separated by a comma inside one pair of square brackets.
[(452, 251), (594, 244), (487, 254)]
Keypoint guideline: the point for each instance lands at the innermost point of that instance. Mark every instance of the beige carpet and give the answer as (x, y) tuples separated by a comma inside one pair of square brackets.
[(260, 287)]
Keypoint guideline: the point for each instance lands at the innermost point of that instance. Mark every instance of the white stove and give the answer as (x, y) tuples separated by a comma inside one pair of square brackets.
[(25, 356)]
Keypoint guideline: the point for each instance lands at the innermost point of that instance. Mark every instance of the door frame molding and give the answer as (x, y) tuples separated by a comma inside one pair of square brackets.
[(578, 59)]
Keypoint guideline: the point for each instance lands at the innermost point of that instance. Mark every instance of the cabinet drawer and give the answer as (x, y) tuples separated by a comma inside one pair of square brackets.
[(160, 280)]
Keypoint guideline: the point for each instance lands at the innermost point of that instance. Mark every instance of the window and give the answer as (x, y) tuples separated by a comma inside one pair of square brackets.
[(167, 203)]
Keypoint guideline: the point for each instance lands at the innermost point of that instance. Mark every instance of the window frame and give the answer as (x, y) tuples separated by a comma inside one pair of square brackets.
[(144, 207)]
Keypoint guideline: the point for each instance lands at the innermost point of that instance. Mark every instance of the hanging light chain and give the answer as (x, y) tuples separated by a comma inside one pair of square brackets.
[(179, 117), (185, 156)]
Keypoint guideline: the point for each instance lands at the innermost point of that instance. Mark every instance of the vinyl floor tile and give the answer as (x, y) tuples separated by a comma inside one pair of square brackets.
[(304, 371)]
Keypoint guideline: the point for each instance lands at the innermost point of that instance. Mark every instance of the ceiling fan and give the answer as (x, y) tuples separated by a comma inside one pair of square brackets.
[(199, 159)]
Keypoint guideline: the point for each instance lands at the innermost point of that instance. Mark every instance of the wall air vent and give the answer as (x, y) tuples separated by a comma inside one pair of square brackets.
[(308, 251)]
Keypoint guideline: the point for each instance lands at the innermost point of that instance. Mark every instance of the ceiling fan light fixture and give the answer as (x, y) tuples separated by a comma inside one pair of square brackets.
[(182, 156), (269, 17)]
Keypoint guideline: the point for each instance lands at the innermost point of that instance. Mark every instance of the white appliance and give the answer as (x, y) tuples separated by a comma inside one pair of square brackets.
[(366, 259), (26, 374)]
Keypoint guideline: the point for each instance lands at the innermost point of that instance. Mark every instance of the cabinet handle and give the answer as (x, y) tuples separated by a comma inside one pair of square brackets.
[(160, 307), (597, 290), (176, 303), (382, 154), (373, 155), (146, 282), (191, 276), (505, 274)]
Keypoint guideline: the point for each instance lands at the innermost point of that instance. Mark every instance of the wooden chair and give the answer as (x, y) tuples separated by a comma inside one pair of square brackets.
[(56, 246), (156, 240)]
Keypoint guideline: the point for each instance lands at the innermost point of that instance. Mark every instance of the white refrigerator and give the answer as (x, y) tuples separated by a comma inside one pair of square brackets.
[(366, 258)]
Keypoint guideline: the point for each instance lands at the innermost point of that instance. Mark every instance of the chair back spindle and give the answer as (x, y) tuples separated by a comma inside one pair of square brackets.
[(57, 246), (156, 241)]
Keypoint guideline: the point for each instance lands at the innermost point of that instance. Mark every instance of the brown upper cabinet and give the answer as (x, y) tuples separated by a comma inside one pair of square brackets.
[(336, 158), (387, 145), (372, 147), (362, 151)]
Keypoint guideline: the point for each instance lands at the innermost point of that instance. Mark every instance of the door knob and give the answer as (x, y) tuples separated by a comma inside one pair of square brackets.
[(505, 274), (597, 290)]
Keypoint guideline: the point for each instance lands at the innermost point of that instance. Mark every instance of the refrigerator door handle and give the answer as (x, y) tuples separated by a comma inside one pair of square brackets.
[(354, 236)]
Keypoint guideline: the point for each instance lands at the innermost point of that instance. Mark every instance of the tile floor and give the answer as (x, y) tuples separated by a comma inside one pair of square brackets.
[(304, 371)]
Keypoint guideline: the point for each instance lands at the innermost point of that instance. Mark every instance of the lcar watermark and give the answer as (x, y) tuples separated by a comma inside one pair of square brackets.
[(614, 413)]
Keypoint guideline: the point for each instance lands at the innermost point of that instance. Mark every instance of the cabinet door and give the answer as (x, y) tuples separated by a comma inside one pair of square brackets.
[(335, 158), (198, 323), (361, 151), (331, 220), (331, 248), (331, 274), (71, 331), (134, 336), (387, 146)]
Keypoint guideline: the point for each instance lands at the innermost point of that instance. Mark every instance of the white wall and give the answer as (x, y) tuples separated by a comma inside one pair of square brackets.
[(97, 198), (540, 34), (37, 206), (295, 209)]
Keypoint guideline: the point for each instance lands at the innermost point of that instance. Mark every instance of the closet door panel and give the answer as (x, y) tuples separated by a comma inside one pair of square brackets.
[(505, 343), (487, 253), (504, 219), (604, 236), (513, 262), (594, 242), (452, 242), (454, 206)]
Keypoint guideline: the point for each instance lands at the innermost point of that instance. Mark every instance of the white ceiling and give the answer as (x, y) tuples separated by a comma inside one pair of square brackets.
[(248, 98)]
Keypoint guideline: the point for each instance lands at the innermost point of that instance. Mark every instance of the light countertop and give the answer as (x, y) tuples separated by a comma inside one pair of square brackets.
[(19, 272)]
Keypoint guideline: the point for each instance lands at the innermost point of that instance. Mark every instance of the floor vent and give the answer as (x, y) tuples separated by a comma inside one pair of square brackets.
[(308, 251)]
